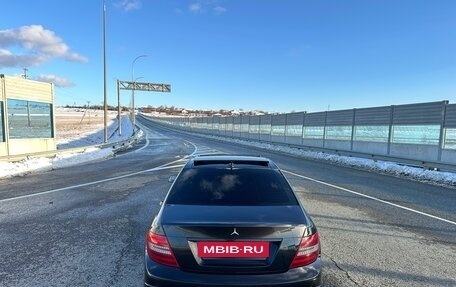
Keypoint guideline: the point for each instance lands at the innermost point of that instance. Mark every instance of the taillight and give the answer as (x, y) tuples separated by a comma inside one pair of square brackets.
[(308, 251), (159, 250)]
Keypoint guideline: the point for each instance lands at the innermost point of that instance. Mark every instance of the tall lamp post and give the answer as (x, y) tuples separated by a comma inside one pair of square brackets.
[(133, 91), (105, 98), (133, 100)]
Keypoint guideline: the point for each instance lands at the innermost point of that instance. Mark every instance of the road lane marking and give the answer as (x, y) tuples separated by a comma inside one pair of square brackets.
[(370, 197), (162, 167), (144, 128), (147, 142), (165, 166)]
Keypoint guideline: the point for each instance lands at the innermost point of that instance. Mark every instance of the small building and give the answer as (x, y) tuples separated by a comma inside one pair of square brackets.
[(26, 116)]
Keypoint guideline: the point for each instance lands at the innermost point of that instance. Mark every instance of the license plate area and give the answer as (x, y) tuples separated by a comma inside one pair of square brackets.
[(233, 249)]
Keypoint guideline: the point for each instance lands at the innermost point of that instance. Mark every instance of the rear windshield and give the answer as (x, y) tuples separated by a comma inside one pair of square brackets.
[(237, 187)]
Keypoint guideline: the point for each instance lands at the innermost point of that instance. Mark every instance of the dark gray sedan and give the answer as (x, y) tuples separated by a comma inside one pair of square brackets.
[(232, 221)]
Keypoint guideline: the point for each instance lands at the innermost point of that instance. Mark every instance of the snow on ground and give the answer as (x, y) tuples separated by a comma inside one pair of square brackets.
[(447, 179), (10, 169), (96, 136)]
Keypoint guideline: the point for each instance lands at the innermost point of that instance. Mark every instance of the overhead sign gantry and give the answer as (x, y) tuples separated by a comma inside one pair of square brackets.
[(138, 86), (150, 87)]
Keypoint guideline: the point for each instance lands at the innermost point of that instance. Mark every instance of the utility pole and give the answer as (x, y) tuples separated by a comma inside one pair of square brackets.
[(25, 73), (88, 108)]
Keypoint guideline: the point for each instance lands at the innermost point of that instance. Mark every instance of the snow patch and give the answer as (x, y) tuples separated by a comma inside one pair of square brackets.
[(10, 169), (447, 179)]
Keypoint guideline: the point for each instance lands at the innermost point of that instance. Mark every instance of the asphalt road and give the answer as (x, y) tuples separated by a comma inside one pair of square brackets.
[(85, 225)]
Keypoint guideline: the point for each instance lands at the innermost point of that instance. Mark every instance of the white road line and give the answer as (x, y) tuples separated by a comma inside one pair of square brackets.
[(146, 145), (161, 167), (370, 197), (92, 183), (194, 151)]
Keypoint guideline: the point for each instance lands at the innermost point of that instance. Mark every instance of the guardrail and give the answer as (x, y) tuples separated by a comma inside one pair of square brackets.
[(116, 146), (425, 164)]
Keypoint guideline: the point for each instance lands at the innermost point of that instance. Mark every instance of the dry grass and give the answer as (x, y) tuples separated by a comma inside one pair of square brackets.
[(71, 123)]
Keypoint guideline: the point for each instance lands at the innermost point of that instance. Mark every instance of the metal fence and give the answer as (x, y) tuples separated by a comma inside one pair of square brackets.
[(421, 132)]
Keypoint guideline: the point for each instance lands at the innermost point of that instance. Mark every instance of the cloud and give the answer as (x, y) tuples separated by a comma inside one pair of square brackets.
[(195, 7), (57, 81), (40, 45), (7, 59), (202, 6), (74, 57), (128, 5), (219, 10)]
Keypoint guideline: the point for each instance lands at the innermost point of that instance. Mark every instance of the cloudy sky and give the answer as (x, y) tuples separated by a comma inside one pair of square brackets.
[(272, 55)]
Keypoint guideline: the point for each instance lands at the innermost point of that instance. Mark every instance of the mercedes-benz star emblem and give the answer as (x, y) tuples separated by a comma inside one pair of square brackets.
[(235, 232)]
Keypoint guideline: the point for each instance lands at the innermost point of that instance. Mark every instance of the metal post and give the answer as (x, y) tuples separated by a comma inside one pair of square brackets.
[(104, 75), (133, 119), (250, 123), (4, 114), (302, 127), (390, 131), (134, 86), (324, 129), (353, 129), (88, 108), (442, 131), (29, 121), (285, 137), (119, 114), (53, 111), (259, 128)]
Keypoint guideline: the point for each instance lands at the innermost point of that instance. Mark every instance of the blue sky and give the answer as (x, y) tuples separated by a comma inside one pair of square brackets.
[(289, 55)]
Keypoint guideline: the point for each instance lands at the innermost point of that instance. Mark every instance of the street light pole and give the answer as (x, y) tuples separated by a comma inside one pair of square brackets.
[(133, 100), (133, 90), (119, 111), (105, 104)]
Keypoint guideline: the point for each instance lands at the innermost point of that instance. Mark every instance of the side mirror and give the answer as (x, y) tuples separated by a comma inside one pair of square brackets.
[(172, 178)]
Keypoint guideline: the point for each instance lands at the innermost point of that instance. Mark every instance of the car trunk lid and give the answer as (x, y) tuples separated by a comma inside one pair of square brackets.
[(276, 230)]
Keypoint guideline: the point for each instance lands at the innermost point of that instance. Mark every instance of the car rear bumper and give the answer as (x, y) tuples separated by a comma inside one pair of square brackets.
[(158, 275)]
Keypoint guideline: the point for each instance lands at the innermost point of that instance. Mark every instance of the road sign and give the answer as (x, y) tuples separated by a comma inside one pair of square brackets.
[(150, 87)]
